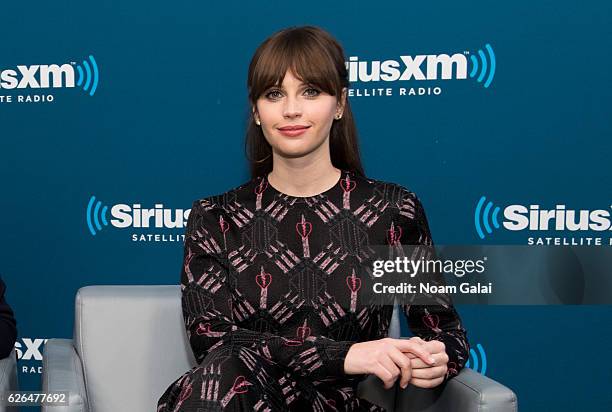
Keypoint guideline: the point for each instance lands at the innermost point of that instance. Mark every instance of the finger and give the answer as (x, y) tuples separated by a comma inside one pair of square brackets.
[(429, 373), (390, 373), (384, 374), (426, 383), (418, 339), (403, 362), (390, 365), (434, 346), (415, 348), (410, 346), (441, 359)]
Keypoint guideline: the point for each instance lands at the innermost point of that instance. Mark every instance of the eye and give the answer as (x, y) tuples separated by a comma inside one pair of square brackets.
[(312, 92), (271, 94)]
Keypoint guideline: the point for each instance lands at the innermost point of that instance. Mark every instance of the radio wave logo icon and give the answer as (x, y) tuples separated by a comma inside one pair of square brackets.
[(482, 218), (483, 67), (88, 75), (478, 360), (96, 213)]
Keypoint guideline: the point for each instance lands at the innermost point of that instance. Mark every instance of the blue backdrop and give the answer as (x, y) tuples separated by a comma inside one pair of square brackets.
[(151, 107)]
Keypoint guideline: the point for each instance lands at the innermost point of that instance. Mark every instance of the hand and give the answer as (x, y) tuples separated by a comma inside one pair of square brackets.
[(424, 375), (386, 358)]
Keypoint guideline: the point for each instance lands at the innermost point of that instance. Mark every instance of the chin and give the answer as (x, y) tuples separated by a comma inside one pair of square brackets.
[(294, 147), (292, 153)]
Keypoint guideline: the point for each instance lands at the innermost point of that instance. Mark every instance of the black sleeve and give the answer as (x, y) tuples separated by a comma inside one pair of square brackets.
[(437, 321), (8, 325)]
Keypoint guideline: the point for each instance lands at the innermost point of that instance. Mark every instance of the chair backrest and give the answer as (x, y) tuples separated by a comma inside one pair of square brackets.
[(133, 344)]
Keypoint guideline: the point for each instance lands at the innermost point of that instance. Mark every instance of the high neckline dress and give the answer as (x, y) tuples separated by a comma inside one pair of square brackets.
[(270, 298)]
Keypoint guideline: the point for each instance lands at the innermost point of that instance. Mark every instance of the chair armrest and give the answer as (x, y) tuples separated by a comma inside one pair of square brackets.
[(8, 378), (468, 391), (62, 371), (8, 373)]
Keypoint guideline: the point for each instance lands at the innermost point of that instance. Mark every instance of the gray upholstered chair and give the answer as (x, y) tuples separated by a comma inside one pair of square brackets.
[(8, 378), (130, 344)]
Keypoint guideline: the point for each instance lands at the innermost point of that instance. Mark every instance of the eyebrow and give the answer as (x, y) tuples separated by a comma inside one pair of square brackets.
[(301, 85)]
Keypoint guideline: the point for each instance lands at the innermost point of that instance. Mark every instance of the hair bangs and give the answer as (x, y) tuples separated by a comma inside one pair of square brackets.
[(303, 56)]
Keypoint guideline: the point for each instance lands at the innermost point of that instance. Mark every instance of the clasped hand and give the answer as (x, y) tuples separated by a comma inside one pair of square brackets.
[(415, 361)]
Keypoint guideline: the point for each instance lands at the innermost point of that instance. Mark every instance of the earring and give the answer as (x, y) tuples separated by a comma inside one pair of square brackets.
[(338, 117), (257, 122)]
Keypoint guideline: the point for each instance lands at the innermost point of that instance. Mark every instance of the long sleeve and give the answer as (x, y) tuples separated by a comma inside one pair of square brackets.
[(8, 325), (208, 300), (438, 321)]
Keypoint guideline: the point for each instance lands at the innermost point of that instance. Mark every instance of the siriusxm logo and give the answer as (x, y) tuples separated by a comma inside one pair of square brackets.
[(124, 216), (426, 67), (85, 75), (30, 349), (477, 361), (520, 217)]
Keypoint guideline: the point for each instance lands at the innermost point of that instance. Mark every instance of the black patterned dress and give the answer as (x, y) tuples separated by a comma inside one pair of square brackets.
[(269, 295)]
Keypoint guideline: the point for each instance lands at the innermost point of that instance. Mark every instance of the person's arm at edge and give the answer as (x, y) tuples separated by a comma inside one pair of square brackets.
[(8, 325)]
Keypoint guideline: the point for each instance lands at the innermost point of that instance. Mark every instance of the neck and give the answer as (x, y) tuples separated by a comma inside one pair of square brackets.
[(303, 176)]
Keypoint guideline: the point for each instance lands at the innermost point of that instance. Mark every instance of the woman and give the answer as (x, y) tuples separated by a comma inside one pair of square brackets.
[(269, 289)]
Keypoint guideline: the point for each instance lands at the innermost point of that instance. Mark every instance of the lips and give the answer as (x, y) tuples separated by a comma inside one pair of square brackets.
[(293, 131), (285, 128)]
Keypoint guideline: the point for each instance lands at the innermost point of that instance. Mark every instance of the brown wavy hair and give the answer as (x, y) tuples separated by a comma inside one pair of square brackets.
[(315, 58)]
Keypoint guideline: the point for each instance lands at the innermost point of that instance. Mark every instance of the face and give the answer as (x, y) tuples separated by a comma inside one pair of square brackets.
[(295, 104)]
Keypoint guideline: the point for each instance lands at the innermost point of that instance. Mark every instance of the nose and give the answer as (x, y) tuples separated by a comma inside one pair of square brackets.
[(292, 108)]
